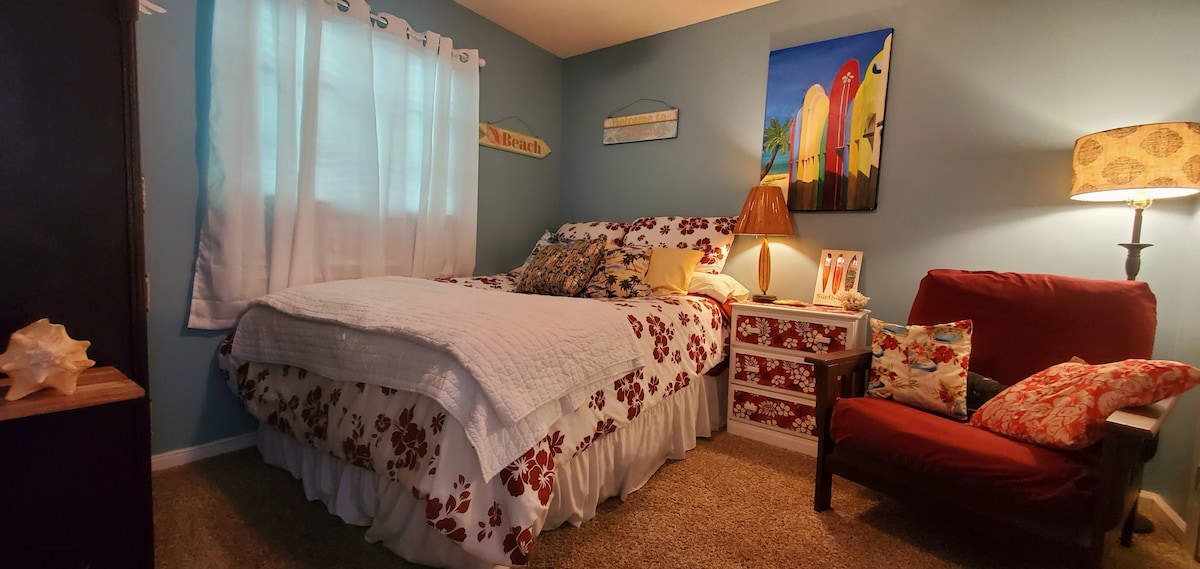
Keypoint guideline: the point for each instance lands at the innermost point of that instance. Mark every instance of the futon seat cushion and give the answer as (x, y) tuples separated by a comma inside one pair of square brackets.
[(944, 453)]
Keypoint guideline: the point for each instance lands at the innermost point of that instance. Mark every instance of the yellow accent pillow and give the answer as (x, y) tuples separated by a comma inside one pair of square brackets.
[(671, 270)]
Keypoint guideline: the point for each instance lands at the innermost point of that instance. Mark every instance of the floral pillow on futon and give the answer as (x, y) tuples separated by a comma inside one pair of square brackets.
[(1065, 405), (922, 366)]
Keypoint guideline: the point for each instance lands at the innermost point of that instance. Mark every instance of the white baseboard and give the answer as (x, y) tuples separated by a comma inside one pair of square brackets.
[(1177, 527), (180, 457)]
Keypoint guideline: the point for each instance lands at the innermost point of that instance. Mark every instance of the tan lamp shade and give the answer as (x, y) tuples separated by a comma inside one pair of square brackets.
[(1137, 164), (764, 214)]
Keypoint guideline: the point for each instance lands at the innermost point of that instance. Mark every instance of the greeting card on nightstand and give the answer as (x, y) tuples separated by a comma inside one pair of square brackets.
[(837, 271)]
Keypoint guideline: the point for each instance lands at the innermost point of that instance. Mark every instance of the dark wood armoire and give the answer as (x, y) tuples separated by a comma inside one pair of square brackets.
[(74, 479)]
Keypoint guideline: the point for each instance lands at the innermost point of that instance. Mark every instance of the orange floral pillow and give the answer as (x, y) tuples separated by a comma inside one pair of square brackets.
[(1065, 405)]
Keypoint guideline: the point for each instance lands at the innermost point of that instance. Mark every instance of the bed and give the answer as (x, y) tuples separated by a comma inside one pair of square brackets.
[(457, 420)]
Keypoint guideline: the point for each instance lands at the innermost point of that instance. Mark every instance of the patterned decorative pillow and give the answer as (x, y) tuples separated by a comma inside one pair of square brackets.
[(1065, 405), (547, 238), (622, 274), (922, 366), (712, 235), (562, 269), (614, 231)]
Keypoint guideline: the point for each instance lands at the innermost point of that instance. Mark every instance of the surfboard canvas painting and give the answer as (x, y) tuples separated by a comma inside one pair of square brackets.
[(837, 271), (823, 127)]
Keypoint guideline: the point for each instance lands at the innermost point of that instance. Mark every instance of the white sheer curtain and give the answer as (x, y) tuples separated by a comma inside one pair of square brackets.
[(339, 148)]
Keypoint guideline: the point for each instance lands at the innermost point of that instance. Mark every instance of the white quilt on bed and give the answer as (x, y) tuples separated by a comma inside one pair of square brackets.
[(463, 347)]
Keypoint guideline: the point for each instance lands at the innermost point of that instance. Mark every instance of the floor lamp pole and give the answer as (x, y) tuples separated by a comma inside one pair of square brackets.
[(1133, 260)]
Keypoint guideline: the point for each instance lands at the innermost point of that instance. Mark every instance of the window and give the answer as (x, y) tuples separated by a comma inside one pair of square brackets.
[(338, 149)]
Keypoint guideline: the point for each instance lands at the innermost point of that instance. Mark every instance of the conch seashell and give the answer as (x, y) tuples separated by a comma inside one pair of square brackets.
[(42, 355)]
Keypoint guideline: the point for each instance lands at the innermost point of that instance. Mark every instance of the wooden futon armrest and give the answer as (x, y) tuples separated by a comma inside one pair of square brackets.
[(1128, 443), (851, 365), (1142, 422), (845, 361)]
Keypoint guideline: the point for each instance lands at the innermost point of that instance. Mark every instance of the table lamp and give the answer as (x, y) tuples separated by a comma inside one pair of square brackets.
[(764, 213), (1137, 165)]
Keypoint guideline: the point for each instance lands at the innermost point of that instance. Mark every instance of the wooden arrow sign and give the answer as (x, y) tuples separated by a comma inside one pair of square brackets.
[(507, 140)]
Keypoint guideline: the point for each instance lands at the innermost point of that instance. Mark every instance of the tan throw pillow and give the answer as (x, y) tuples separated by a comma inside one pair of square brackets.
[(562, 269), (622, 274), (671, 270), (922, 366)]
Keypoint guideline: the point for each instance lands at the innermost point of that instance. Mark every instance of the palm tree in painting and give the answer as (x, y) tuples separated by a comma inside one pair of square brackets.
[(775, 140)]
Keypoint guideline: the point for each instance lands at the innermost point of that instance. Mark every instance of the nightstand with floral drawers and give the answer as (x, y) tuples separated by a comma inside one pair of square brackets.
[(771, 388)]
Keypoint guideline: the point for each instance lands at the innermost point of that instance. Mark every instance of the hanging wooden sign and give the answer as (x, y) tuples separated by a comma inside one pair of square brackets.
[(646, 126), (507, 140)]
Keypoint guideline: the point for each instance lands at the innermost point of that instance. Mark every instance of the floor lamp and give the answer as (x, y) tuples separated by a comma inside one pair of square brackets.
[(1137, 165), (764, 213)]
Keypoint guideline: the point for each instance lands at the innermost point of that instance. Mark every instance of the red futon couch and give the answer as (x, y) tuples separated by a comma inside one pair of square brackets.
[(1022, 323)]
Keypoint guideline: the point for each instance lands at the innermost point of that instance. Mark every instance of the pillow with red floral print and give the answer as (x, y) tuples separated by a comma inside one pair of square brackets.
[(1065, 405), (921, 366), (613, 231), (711, 235)]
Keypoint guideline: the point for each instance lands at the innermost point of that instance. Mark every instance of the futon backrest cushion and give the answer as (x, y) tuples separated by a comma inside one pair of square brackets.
[(1024, 323)]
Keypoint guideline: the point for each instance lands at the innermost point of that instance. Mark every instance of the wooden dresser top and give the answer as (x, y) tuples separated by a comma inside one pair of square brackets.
[(96, 386)]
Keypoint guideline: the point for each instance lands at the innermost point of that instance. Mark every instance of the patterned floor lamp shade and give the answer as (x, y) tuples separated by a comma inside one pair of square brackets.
[(1137, 165)]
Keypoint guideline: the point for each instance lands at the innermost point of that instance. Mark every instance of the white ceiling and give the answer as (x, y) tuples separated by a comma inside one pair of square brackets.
[(571, 27)]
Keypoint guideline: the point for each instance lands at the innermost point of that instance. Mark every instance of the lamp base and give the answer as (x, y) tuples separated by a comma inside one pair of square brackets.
[(767, 298)]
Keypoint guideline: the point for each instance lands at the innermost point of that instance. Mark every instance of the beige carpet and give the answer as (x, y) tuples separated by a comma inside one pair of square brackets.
[(731, 503)]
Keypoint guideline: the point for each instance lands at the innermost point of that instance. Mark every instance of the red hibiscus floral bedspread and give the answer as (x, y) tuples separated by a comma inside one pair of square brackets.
[(414, 441)]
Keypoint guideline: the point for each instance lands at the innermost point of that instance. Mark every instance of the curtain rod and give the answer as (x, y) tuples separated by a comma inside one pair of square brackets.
[(382, 23)]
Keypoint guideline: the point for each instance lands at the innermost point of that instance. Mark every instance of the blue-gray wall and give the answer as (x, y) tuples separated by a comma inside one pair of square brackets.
[(518, 196), (985, 100)]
